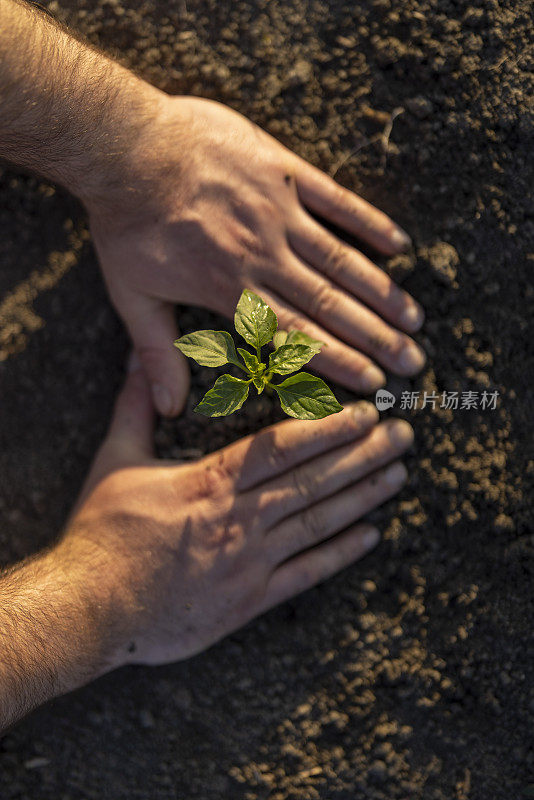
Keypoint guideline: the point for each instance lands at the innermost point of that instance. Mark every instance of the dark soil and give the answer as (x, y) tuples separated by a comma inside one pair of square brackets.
[(411, 674)]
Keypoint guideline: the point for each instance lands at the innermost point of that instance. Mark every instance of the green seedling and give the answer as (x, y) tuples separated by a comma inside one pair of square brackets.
[(302, 395)]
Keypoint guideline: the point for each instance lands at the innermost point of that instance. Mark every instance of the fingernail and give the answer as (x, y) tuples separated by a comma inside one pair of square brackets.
[(162, 399), (370, 538), (372, 379), (412, 317), (400, 239), (396, 474), (133, 362), (411, 358), (401, 433), (364, 410)]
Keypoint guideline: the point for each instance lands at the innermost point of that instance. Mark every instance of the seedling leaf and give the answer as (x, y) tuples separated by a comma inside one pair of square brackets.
[(226, 396), (259, 382), (254, 320), (279, 338), (289, 358), (251, 361), (209, 348), (305, 396), (302, 395), (299, 337)]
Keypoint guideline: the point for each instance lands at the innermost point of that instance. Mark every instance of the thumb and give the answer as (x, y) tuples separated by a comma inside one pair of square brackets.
[(130, 435), (152, 326), (129, 439)]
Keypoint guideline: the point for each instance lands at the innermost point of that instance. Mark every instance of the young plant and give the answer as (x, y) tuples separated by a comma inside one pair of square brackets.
[(302, 395)]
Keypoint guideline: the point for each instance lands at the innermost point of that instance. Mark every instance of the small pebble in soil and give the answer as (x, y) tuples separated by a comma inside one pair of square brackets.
[(401, 267), (37, 762), (420, 107), (378, 771), (300, 73), (443, 261)]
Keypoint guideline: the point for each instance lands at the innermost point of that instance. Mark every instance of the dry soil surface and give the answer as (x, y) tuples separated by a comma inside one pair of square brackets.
[(410, 675)]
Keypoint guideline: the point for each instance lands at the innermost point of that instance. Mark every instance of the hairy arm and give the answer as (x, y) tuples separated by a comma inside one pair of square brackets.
[(189, 202), (68, 112), (53, 631), (162, 560)]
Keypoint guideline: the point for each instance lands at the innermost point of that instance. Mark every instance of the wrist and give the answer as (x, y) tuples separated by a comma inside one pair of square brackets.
[(106, 177), (132, 185), (92, 579)]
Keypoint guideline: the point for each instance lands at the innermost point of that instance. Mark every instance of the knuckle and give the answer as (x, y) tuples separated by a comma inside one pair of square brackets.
[(367, 452), (335, 260), (322, 301), (380, 343), (305, 483), (212, 480), (265, 207), (228, 535), (312, 525), (339, 196), (249, 243), (397, 344), (275, 454), (150, 355)]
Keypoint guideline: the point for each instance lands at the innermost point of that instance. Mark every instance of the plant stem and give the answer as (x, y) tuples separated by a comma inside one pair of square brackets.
[(242, 367)]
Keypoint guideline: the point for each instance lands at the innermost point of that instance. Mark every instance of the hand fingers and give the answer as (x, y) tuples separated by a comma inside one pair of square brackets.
[(129, 439), (316, 565), (349, 268), (276, 449), (152, 326), (322, 195), (350, 320), (328, 473), (130, 434), (322, 520), (337, 360)]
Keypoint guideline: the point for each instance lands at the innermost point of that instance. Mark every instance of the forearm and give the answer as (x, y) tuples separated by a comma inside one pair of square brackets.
[(66, 111), (54, 633)]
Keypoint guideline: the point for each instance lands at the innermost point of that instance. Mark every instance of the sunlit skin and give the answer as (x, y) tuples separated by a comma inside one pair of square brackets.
[(190, 202), (229, 535), (161, 560), (235, 214)]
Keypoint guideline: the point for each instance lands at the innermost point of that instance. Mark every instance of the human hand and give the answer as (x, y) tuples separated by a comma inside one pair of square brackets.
[(178, 556), (205, 204)]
